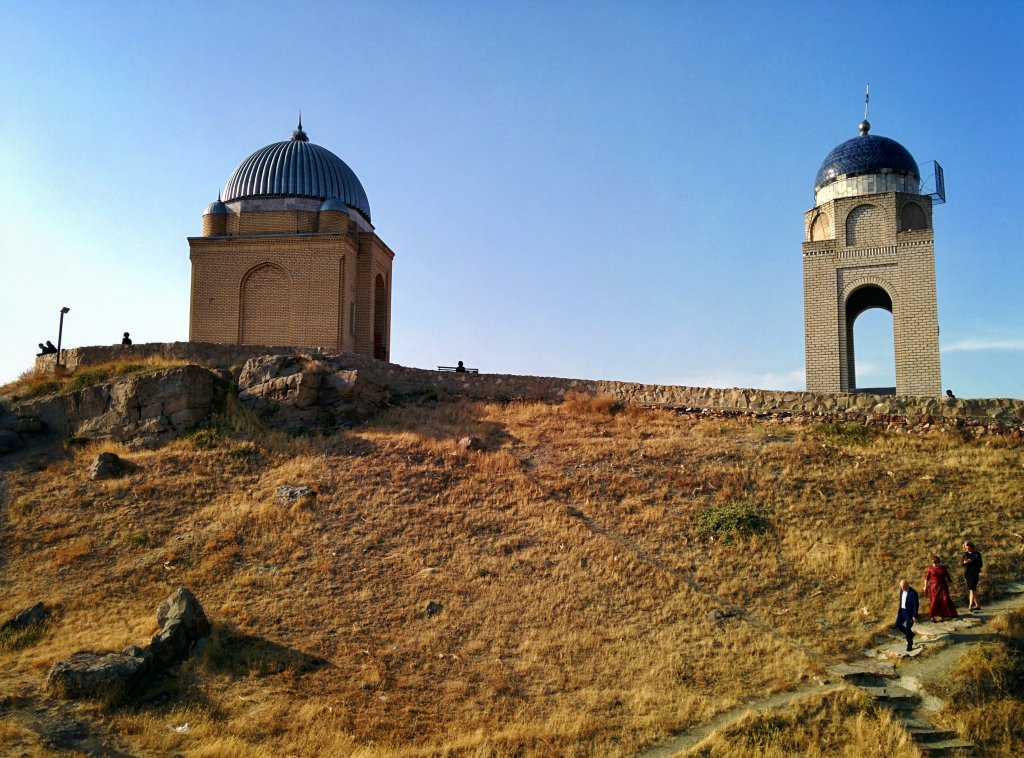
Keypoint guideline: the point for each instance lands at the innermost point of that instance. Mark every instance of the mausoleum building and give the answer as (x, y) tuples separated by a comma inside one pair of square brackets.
[(289, 257), (869, 243)]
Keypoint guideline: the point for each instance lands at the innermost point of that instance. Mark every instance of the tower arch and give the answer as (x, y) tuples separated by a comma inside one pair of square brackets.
[(860, 296)]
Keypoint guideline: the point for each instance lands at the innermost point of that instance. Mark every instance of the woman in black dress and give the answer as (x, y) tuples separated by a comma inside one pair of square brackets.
[(971, 561)]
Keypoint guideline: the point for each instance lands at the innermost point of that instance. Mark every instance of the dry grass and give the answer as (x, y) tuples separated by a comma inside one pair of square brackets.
[(33, 383), (985, 690), (842, 724), (575, 583)]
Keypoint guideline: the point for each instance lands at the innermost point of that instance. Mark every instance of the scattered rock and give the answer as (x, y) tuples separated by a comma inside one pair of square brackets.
[(183, 623), (108, 466), (33, 616), (471, 443), (290, 494), (111, 677), (433, 608), (717, 615), (100, 676)]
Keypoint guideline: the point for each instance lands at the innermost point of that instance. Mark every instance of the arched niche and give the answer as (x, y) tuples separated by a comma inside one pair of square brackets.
[(821, 228), (865, 226), (265, 306), (912, 217)]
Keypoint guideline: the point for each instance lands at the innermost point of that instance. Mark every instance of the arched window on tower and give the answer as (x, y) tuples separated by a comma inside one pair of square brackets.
[(912, 217), (865, 226), (821, 228)]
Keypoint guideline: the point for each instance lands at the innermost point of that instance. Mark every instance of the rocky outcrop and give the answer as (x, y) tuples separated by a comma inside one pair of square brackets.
[(111, 677), (14, 429), (10, 441), (138, 409), (302, 390), (306, 393)]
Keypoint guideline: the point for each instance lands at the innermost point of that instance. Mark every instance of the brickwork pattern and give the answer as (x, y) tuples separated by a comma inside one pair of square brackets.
[(869, 251), (287, 277)]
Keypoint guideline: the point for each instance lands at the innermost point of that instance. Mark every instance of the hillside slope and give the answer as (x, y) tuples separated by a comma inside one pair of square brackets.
[(592, 598)]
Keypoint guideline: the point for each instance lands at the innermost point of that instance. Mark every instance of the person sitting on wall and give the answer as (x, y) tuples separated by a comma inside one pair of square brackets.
[(950, 395), (51, 349), (42, 349), (460, 368), (126, 340)]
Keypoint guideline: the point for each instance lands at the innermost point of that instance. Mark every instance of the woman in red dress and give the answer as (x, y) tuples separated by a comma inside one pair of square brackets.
[(936, 587)]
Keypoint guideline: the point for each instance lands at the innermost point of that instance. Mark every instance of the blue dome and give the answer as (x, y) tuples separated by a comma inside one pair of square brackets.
[(297, 168), (866, 154)]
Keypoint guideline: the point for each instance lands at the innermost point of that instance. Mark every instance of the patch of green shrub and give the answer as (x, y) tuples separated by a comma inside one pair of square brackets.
[(728, 522), (137, 539), (205, 437), (16, 639), (847, 433)]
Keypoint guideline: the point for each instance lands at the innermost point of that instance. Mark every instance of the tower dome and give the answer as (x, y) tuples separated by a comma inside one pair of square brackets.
[(297, 168), (866, 154), (864, 165)]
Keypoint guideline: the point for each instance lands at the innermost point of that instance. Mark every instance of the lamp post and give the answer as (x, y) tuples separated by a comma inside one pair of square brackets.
[(60, 336)]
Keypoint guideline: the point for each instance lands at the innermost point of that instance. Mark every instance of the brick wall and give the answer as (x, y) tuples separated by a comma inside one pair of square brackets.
[(287, 276), (868, 251)]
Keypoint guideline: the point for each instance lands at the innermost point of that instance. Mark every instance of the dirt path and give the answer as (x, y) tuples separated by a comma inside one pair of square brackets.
[(905, 688)]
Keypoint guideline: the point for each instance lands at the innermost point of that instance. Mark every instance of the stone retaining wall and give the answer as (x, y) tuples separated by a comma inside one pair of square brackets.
[(402, 381)]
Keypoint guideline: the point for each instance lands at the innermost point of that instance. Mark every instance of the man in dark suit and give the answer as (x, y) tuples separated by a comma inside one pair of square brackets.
[(906, 617)]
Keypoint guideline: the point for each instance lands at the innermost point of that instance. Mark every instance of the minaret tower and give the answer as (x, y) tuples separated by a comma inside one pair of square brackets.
[(869, 243)]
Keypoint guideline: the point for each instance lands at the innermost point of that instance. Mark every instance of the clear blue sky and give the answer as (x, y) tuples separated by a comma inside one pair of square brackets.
[(582, 189)]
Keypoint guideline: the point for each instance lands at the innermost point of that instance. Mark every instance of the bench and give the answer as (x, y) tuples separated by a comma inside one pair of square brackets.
[(456, 369)]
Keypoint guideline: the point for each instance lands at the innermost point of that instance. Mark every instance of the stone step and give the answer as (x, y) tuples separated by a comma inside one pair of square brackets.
[(883, 669), (893, 696), (923, 734), (864, 681), (946, 747)]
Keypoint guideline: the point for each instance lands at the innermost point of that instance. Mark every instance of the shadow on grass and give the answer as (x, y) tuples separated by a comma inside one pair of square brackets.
[(237, 654), (442, 420)]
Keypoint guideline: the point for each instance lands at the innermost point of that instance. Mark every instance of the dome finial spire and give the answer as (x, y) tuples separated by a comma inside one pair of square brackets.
[(865, 125), (298, 135)]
